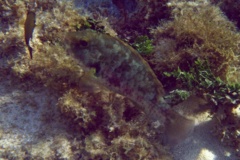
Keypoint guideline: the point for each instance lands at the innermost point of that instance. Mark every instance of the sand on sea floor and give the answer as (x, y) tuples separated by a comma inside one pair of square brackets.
[(202, 145)]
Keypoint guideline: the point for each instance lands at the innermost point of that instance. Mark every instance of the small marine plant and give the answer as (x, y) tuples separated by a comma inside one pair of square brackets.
[(143, 45), (91, 24), (224, 96), (203, 32), (199, 78), (176, 96)]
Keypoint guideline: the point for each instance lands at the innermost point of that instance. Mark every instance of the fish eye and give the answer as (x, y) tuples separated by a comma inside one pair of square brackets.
[(83, 43)]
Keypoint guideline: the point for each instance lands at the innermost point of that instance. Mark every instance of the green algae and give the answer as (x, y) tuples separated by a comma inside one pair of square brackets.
[(143, 45)]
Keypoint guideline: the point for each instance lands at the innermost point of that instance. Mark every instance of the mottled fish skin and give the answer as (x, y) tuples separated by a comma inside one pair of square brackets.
[(124, 71), (118, 64), (28, 28)]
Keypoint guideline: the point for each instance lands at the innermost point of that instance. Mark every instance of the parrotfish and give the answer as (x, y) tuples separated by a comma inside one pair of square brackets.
[(118, 64), (28, 28), (124, 71)]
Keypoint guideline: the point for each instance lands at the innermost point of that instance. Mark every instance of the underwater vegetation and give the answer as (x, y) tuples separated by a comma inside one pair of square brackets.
[(199, 79), (130, 13), (230, 8), (114, 126), (195, 36), (143, 45), (106, 89), (202, 59)]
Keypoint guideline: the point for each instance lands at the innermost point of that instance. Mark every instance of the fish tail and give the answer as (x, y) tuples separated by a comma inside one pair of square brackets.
[(30, 51)]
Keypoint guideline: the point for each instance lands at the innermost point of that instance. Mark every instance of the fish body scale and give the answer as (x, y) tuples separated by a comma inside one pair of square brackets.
[(118, 64), (124, 71)]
